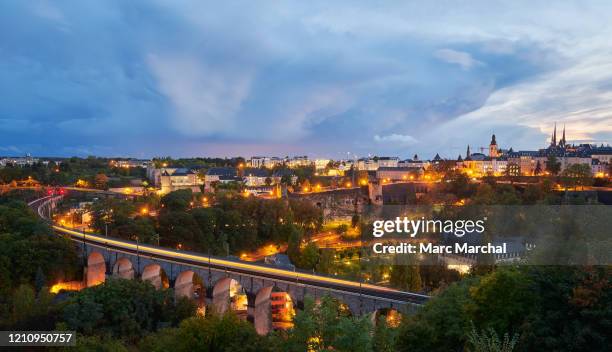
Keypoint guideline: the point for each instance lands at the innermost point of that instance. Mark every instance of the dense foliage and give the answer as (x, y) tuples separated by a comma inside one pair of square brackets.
[(235, 224), (70, 170), (126, 309), (210, 334), (550, 308), (31, 257)]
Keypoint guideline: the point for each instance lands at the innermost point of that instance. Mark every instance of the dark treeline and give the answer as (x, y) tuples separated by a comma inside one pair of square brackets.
[(234, 224), (66, 172), (31, 259), (458, 186)]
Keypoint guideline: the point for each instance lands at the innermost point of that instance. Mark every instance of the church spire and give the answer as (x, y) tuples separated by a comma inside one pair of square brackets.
[(554, 136), (493, 152), (468, 154), (563, 137)]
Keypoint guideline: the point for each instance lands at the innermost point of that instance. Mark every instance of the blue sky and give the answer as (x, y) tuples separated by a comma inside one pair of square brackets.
[(195, 78)]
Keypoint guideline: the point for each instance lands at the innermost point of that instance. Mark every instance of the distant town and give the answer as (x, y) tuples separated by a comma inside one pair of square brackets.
[(263, 175)]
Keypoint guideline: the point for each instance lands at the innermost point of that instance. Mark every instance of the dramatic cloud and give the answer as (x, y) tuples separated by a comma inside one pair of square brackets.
[(403, 140), (146, 78), (205, 98), (464, 60)]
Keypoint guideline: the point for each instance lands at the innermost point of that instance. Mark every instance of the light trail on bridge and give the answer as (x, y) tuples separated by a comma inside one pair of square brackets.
[(190, 258)]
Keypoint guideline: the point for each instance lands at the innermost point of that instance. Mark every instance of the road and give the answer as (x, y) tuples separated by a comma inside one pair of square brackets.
[(262, 252), (196, 259), (333, 240)]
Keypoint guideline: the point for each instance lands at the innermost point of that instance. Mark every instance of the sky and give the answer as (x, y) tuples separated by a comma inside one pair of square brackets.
[(320, 78)]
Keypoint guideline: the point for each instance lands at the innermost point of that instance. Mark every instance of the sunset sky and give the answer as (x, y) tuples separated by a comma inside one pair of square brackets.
[(191, 78)]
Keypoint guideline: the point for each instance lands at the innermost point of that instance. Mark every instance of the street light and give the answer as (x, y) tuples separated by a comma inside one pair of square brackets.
[(137, 252), (106, 218)]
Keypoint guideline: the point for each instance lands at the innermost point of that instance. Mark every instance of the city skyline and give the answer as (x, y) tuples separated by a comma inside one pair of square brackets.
[(484, 148), (157, 78)]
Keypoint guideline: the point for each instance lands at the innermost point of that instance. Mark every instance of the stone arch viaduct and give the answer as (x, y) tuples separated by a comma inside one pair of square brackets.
[(259, 293)]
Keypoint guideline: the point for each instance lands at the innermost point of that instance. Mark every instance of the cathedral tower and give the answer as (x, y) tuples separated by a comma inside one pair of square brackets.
[(493, 152)]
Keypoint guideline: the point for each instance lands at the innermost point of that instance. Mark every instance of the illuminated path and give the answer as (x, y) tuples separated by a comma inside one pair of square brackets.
[(225, 278)]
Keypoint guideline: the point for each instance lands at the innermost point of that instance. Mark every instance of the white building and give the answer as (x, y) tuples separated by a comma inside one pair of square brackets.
[(175, 179), (603, 154), (259, 161), (368, 164), (386, 161), (599, 169), (28, 160), (321, 164), (414, 162), (495, 166), (298, 161), (129, 163), (254, 177)]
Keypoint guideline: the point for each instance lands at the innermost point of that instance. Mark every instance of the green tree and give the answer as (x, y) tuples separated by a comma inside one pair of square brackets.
[(178, 227), (39, 279), (309, 256), (101, 181), (458, 183), (293, 246), (501, 300), (96, 343), (306, 215), (538, 169), (488, 341), (24, 303), (385, 337), (553, 166), (441, 325), (177, 200), (406, 276), (121, 308), (576, 175), (28, 244), (212, 333), (327, 325)]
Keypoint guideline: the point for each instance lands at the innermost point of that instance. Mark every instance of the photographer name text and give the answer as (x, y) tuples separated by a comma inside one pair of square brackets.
[(430, 248)]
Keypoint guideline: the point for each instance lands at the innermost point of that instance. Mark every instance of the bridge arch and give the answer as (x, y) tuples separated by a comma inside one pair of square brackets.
[(392, 317), (274, 309), (156, 275), (229, 294), (123, 268), (189, 284), (95, 272)]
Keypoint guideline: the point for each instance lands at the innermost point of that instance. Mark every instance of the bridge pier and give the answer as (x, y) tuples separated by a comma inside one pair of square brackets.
[(218, 287)]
